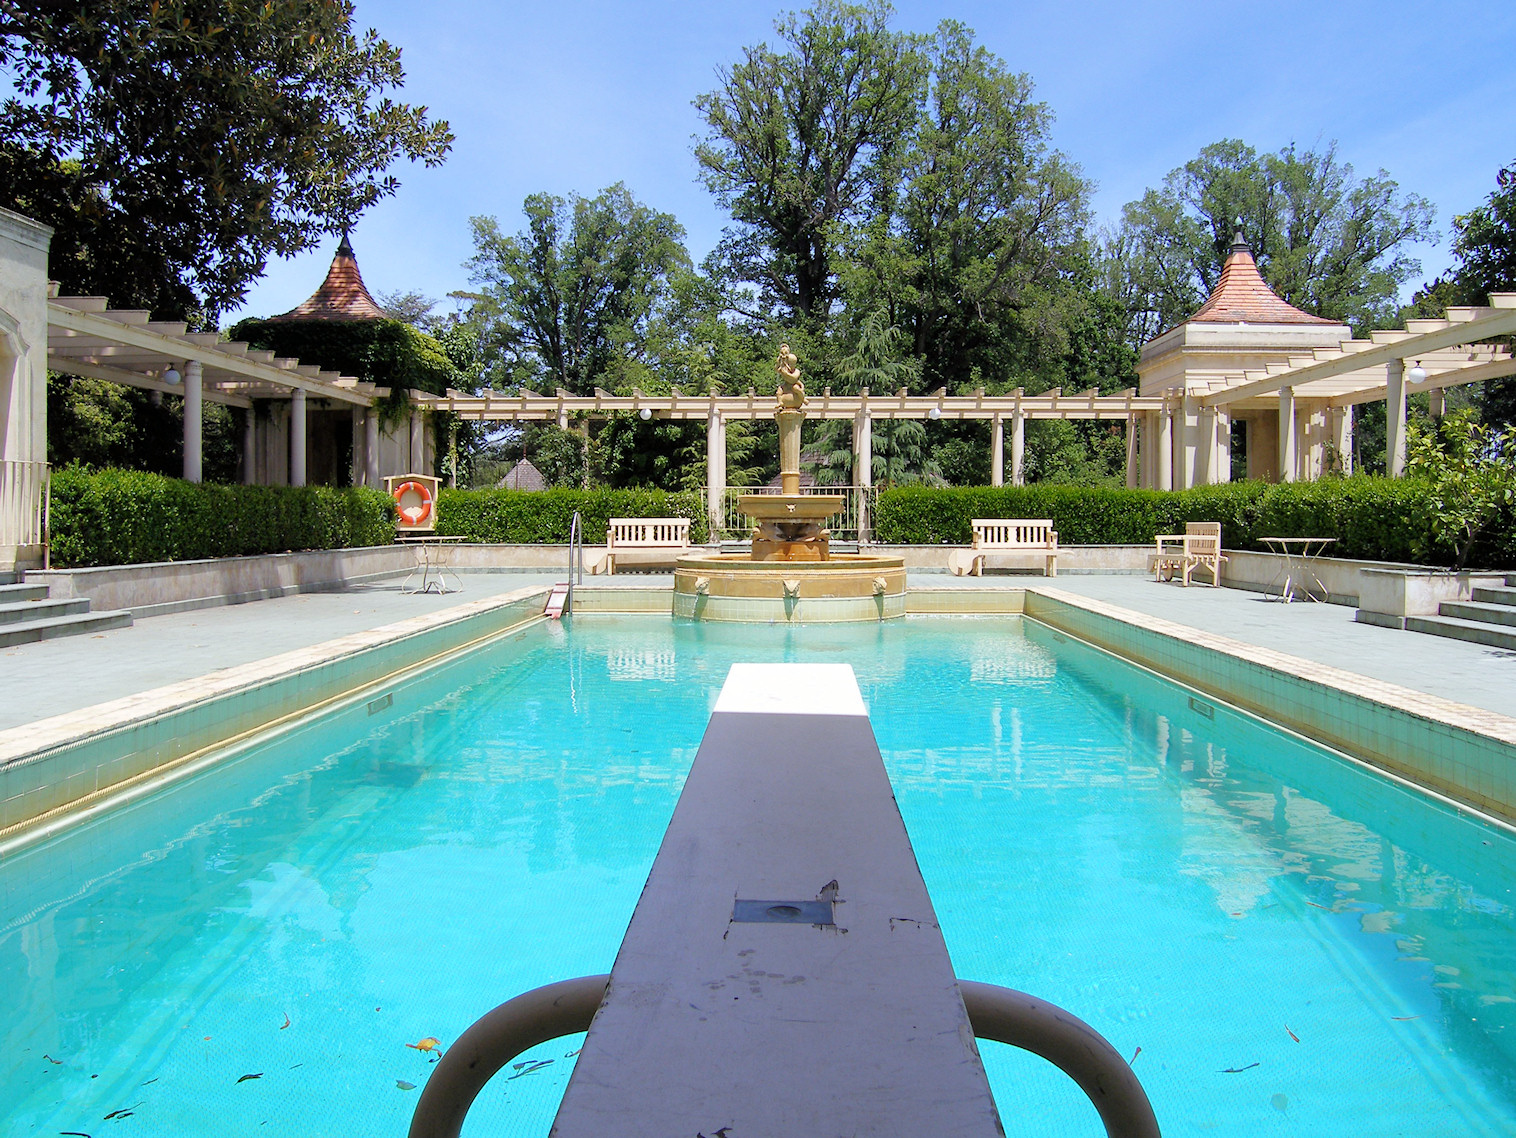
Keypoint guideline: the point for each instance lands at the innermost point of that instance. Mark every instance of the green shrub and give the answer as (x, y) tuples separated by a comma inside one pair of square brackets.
[(544, 517), (126, 517), (1373, 518)]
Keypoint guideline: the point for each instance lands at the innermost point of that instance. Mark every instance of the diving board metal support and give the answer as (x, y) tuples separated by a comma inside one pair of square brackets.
[(783, 972)]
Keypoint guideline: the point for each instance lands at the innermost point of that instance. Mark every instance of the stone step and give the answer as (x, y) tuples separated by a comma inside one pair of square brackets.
[(1495, 595), (9, 594), (1477, 610), (1477, 631), (39, 610), (27, 632)]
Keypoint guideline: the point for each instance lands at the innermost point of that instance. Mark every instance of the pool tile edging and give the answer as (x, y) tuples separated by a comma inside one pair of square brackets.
[(1466, 753), (53, 764)]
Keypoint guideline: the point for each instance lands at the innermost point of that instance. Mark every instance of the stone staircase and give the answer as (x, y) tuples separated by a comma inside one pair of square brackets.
[(1488, 618), (28, 614)]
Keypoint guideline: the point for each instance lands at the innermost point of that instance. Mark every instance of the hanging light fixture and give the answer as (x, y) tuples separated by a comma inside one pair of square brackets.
[(1417, 374), (645, 414), (934, 413), (171, 374)]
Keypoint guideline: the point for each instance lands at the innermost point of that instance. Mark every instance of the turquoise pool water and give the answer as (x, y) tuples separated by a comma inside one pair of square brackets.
[(1296, 946)]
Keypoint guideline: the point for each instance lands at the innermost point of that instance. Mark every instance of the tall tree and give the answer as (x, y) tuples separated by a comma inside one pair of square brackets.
[(1485, 245), (1330, 243), (979, 262), (177, 144), (568, 300), (804, 142)]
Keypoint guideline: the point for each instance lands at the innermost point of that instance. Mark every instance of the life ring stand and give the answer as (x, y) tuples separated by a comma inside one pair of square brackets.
[(414, 515)]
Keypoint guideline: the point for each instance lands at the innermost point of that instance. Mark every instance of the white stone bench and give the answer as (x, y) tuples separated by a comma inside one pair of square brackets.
[(645, 541), (1018, 536), (1199, 546)]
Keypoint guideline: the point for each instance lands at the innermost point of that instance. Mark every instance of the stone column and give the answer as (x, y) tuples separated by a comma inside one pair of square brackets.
[(1166, 449), (250, 447), (715, 470), (193, 396), (1193, 450), (1394, 418), (1133, 469), (863, 468), (1018, 449), (371, 447), (1287, 434), (358, 441), (1342, 436), (1221, 431), (997, 452), (297, 437), (1436, 403), (452, 454), (418, 443)]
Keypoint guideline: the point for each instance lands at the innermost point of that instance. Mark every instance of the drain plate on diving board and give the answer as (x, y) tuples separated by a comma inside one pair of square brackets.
[(782, 912)]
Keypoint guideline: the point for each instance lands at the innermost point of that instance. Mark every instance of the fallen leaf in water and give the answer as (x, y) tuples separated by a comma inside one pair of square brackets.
[(54, 1062), (1133, 1059), (149, 1081), (1402, 1019), (1237, 1070), (1328, 908), (1291, 1034), (405, 1086), (430, 1043), (245, 1078), (286, 1022), (1280, 1103)]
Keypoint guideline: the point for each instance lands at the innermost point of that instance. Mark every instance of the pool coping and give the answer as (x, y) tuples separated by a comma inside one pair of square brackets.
[(52, 767), (1455, 751)]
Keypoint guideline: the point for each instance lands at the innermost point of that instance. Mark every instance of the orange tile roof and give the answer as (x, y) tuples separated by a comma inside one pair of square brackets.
[(341, 296), (1241, 296)]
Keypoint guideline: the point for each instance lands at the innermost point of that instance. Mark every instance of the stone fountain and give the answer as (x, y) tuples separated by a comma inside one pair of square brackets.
[(791, 574)]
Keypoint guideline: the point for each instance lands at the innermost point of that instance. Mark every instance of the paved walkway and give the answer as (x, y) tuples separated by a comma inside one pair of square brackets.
[(56, 676)]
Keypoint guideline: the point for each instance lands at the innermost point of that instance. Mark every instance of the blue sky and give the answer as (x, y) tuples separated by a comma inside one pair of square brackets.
[(573, 95)]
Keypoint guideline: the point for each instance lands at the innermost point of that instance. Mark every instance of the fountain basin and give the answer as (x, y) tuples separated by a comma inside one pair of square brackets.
[(845, 587)]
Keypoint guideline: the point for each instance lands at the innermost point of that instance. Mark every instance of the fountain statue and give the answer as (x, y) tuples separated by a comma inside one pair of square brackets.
[(790, 573)]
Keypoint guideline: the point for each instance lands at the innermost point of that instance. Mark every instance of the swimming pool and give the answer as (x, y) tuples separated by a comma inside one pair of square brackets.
[(1296, 945)]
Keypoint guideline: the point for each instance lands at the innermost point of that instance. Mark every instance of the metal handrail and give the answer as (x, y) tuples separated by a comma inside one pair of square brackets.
[(1000, 1014), (1073, 1046), (576, 561), (493, 1041)]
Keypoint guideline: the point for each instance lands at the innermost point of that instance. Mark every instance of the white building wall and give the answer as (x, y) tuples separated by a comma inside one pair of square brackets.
[(23, 338)]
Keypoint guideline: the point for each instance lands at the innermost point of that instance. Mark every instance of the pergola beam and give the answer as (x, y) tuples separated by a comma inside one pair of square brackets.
[(1358, 355)]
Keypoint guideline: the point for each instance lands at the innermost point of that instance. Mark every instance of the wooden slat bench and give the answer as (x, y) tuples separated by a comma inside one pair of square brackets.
[(645, 541), (995, 536), (1199, 546)]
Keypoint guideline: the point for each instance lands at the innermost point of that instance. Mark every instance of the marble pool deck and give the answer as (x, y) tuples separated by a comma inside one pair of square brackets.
[(53, 677)]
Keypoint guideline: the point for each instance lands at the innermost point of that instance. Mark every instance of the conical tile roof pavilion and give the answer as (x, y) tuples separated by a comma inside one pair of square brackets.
[(342, 296), (1242, 297)]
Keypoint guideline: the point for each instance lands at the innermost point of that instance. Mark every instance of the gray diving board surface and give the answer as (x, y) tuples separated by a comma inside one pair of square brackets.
[(783, 973)]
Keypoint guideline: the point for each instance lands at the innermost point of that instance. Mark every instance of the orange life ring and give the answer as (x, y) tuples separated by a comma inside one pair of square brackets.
[(414, 515)]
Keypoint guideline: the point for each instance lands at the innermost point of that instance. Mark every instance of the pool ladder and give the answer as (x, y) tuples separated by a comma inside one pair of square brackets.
[(560, 599)]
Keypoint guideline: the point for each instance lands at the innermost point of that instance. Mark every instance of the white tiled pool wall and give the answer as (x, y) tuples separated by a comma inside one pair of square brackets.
[(1461, 752), (113, 744)]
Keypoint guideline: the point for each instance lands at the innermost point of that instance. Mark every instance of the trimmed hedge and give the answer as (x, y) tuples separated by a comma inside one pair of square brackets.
[(1373, 518), (521, 517), (126, 517)]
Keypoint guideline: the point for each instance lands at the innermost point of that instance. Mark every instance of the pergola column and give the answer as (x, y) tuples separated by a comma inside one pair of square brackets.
[(371, 447), (1221, 432), (1018, 449), (1286, 434), (863, 466), (1394, 418), (297, 437), (715, 470), (418, 443), (193, 396), (997, 452), (1437, 403), (1166, 449), (1133, 470), (1342, 436), (250, 448), (358, 442)]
